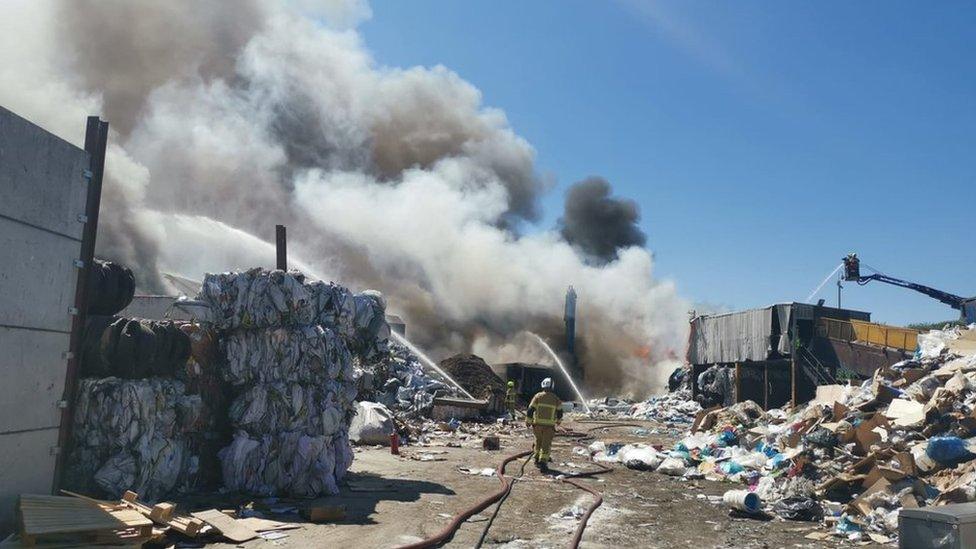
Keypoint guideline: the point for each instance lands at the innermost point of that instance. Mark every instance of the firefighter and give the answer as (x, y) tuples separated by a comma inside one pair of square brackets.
[(510, 398), (544, 413)]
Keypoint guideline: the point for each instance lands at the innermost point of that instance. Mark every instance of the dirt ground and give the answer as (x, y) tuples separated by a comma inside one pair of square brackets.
[(394, 500)]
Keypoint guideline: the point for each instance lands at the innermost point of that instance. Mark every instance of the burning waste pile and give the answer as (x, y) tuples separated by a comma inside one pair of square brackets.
[(397, 380), (852, 457)]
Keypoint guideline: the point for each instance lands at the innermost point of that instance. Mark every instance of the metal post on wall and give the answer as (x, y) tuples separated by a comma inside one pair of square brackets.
[(96, 139), (281, 247)]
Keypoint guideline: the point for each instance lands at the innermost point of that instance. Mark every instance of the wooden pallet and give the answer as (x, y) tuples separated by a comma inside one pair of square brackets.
[(63, 521)]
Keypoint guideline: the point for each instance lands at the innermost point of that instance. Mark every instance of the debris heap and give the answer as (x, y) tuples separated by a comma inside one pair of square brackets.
[(477, 377), (397, 380), (290, 348), (855, 455)]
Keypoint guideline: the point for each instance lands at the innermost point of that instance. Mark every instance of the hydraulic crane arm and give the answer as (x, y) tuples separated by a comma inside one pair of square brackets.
[(967, 306), (952, 300)]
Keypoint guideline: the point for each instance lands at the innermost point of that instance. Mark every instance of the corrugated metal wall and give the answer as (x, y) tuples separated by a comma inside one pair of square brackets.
[(43, 189)]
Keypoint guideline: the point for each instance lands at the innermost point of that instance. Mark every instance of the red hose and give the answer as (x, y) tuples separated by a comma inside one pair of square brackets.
[(445, 535), (448, 532), (578, 535)]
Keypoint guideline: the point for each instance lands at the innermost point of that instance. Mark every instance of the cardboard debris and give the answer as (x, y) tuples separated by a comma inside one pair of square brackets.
[(904, 413), (228, 527), (904, 438), (829, 394)]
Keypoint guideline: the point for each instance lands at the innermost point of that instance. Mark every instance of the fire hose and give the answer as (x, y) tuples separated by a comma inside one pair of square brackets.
[(448, 532)]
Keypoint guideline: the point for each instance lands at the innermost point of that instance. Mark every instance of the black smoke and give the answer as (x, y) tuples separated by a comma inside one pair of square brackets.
[(598, 224)]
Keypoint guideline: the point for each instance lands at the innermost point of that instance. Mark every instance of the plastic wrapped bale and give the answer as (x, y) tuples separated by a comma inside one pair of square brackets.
[(257, 298), (309, 409), (306, 354), (132, 348), (286, 464)]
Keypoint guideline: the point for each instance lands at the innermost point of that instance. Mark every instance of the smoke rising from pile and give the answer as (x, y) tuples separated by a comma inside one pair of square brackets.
[(599, 224), (231, 117)]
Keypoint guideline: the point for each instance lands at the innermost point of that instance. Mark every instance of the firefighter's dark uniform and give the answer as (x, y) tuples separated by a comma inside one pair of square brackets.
[(544, 413)]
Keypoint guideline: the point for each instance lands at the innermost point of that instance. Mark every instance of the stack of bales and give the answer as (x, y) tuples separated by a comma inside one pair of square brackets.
[(291, 349), (136, 425)]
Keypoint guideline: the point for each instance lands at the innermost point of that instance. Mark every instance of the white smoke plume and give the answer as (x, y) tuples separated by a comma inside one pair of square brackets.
[(230, 117)]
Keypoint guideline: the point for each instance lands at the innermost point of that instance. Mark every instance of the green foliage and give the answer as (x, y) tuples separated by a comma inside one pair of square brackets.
[(926, 326)]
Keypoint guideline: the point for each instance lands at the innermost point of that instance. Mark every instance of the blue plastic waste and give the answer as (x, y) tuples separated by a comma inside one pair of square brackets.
[(730, 467), (728, 438), (846, 526), (948, 450)]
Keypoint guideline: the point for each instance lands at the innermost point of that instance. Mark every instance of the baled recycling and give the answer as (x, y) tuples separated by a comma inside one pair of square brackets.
[(287, 463), (294, 354), (136, 435), (855, 455), (272, 299), (286, 344), (133, 348), (267, 382)]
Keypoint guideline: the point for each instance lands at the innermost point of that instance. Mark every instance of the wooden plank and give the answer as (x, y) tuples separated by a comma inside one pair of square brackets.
[(41, 514), (230, 528), (164, 514)]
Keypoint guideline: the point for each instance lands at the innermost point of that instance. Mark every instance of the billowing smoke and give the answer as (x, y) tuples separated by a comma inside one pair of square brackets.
[(231, 117), (598, 224)]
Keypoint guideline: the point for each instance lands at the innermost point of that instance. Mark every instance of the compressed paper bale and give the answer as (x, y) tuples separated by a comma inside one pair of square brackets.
[(306, 354), (130, 434), (257, 298), (116, 413), (310, 409), (286, 464)]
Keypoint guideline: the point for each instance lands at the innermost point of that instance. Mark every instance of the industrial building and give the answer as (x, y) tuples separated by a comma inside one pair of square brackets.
[(779, 354)]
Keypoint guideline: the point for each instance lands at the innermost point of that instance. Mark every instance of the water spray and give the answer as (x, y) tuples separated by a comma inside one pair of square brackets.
[(563, 369), (423, 358), (826, 278)]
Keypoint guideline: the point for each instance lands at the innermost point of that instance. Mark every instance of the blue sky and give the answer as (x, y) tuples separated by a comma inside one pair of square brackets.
[(762, 140)]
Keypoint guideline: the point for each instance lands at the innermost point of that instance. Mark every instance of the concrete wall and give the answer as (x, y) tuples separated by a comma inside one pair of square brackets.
[(43, 190)]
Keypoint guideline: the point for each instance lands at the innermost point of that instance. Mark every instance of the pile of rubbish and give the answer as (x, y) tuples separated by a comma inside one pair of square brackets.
[(397, 380), (286, 344), (675, 409), (476, 376), (852, 457)]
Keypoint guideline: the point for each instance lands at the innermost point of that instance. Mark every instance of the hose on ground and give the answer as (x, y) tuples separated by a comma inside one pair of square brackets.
[(498, 506), (448, 532)]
